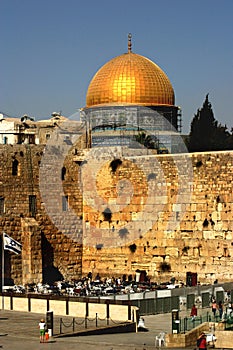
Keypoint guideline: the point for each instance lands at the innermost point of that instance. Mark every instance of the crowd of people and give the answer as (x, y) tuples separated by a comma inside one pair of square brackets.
[(89, 286), (221, 310)]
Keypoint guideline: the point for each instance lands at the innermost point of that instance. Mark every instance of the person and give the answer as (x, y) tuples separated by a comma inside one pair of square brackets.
[(201, 342), (214, 307), (220, 309), (193, 313), (141, 323), (42, 326)]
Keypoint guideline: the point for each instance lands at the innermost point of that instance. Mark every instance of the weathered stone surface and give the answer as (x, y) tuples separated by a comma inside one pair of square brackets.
[(150, 213), (203, 225)]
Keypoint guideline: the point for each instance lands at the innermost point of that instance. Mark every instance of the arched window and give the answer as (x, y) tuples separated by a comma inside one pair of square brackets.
[(63, 173), (15, 165)]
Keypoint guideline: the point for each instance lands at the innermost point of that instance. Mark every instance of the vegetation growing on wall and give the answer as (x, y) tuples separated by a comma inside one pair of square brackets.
[(107, 214), (132, 248), (123, 232), (115, 164), (165, 266), (185, 250)]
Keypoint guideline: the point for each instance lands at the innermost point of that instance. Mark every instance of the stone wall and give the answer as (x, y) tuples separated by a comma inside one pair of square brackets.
[(49, 250), (173, 219), (115, 214)]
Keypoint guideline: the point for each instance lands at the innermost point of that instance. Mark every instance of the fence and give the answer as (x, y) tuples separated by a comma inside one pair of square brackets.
[(76, 325), (156, 306), (200, 295), (188, 323)]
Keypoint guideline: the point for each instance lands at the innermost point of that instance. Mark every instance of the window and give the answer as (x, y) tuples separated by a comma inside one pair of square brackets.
[(64, 203), (31, 139), (2, 205), (15, 164), (63, 173), (32, 205)]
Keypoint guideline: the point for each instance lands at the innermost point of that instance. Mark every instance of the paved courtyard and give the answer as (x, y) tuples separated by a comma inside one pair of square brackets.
[(19, 331)]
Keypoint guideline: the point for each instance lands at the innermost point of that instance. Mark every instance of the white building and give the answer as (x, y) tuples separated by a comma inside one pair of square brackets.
[(26, 130)]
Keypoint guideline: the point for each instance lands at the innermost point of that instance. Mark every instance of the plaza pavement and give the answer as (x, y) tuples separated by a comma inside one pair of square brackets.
[(19, 331)]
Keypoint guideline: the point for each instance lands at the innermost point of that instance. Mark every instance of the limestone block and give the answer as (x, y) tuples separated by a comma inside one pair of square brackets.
[(216, 215), (225, 225), (208, 234), (172, 251), (197, 215), (201, 207), (170, 234), (219, 207), (229, 235), (199, 225)]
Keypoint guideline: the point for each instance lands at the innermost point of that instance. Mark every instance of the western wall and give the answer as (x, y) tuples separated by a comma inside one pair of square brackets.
[(163, 214), (178, 218)]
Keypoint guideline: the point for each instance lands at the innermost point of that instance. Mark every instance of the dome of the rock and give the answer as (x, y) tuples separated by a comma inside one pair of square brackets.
[(130, 79), (130, 92)]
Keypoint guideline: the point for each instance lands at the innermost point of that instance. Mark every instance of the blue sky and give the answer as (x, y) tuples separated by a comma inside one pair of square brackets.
[(52, 48)]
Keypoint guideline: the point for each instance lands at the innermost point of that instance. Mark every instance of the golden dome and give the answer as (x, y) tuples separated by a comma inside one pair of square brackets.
[(130, 79)]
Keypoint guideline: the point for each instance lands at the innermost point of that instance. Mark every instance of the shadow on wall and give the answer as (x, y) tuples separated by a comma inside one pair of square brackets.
[(50, 273)]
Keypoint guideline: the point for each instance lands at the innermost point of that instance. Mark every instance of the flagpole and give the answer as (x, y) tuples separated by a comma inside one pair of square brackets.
[(3, 270)]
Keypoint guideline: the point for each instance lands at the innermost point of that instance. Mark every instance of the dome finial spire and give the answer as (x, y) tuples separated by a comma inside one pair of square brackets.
[(129, 42)]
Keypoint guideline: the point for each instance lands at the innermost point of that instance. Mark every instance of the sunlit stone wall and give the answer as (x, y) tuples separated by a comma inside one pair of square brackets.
[(163, 214), (174, 220)]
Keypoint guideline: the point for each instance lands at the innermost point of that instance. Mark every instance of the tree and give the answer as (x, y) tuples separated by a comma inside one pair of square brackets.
[(230, 140), (146, 140), (206, 134), (202, 129)]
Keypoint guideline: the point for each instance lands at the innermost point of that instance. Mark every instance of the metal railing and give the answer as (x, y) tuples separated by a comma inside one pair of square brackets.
[(188, 323)]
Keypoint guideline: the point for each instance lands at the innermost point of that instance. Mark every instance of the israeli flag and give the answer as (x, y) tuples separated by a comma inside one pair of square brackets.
[(11, 244)]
